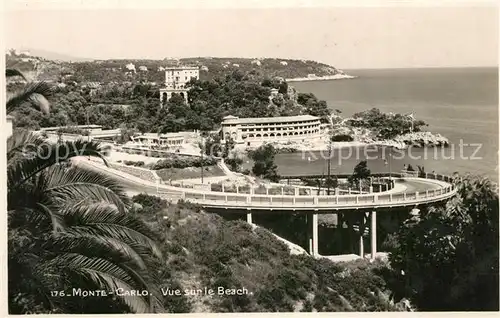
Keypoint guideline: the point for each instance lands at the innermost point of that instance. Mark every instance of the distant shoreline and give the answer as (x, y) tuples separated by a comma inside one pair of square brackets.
[(321, 78)]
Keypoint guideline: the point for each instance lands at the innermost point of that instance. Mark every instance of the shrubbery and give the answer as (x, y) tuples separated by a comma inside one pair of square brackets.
[(386, 125), (73, 130), (205, 250), (133, 163), (183, 162), (340, 138)]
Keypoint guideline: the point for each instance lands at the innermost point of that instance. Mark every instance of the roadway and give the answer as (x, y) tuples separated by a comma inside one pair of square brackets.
[(407, 192)]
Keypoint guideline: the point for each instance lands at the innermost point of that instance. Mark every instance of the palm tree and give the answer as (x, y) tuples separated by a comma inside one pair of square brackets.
[(69, 228), (34, 93)]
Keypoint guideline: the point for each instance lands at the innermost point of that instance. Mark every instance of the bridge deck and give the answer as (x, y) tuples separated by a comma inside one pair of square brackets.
[(416, 191)]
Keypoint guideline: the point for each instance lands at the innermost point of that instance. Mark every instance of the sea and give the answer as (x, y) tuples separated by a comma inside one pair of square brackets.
[(459, 103)]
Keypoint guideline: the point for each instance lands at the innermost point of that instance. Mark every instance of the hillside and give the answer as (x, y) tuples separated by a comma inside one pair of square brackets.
[(106, 71), (204, 250)]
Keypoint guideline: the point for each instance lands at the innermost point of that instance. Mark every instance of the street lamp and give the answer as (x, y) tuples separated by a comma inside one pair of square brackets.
[(329, 167), (88, 127), (202, 154), (389, 163)]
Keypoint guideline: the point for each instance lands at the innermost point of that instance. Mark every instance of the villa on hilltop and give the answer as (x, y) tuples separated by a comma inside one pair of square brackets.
[(256, 131), (176, 79)]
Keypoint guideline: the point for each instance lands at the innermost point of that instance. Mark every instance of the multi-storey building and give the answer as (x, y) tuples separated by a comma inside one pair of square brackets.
[(255, 131), (176, 79)]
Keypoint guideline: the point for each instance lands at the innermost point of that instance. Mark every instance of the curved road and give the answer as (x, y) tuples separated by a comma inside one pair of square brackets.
[(407, 192)]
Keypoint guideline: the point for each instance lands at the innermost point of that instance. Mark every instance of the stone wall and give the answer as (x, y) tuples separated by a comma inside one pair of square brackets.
[(144, 174)]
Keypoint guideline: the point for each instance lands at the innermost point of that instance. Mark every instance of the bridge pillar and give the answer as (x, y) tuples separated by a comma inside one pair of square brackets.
[(252, 191), (361, 245), (249, 217), (222, 187), (371, 189), (296, 191), (362, 227), (373, 232), (282, 191), (237, 189), (312, 231)]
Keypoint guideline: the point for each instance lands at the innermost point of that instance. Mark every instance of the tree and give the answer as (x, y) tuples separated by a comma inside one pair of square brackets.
[(34, 94), (283, 88), (69, 227), (360, 173), (228, 147), (264, 165), (331, 182), (213, 146), (447, 259)]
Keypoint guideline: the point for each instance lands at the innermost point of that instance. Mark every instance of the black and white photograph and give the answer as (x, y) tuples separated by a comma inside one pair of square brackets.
[(173, 157)]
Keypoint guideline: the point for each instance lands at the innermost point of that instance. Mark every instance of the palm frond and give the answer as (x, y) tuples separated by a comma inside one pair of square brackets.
[(108, 220), (130, 236), (104, 274), (47, 156), (113, 249), (10, 72), (23, 142), (77, 183), (34, 93)]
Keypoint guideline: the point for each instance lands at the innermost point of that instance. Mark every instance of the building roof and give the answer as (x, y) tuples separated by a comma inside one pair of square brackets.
[(262, 120), (180, 134), (183, 67), (72, 126)]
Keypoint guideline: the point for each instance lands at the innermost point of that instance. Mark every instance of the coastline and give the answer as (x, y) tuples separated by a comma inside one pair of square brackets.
[(419, 139), (345, 144), (321, 78)]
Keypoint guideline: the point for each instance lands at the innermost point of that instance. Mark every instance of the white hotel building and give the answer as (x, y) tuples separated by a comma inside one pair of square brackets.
[(255, 131), (176, 79)]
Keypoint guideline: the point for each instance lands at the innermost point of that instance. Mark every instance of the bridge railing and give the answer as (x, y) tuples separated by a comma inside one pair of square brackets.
[(314, 200), (217, 198)]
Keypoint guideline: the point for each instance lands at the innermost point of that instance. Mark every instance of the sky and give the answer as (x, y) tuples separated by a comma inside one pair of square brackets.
[(345, 37)]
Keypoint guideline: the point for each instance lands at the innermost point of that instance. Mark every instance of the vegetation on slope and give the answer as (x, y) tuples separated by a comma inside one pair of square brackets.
[(106, 71), (138, 106), (204, 250), (447, 259)]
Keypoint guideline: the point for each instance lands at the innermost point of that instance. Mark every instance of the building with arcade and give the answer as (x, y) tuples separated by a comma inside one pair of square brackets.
[(176, 79), (256, 131)]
